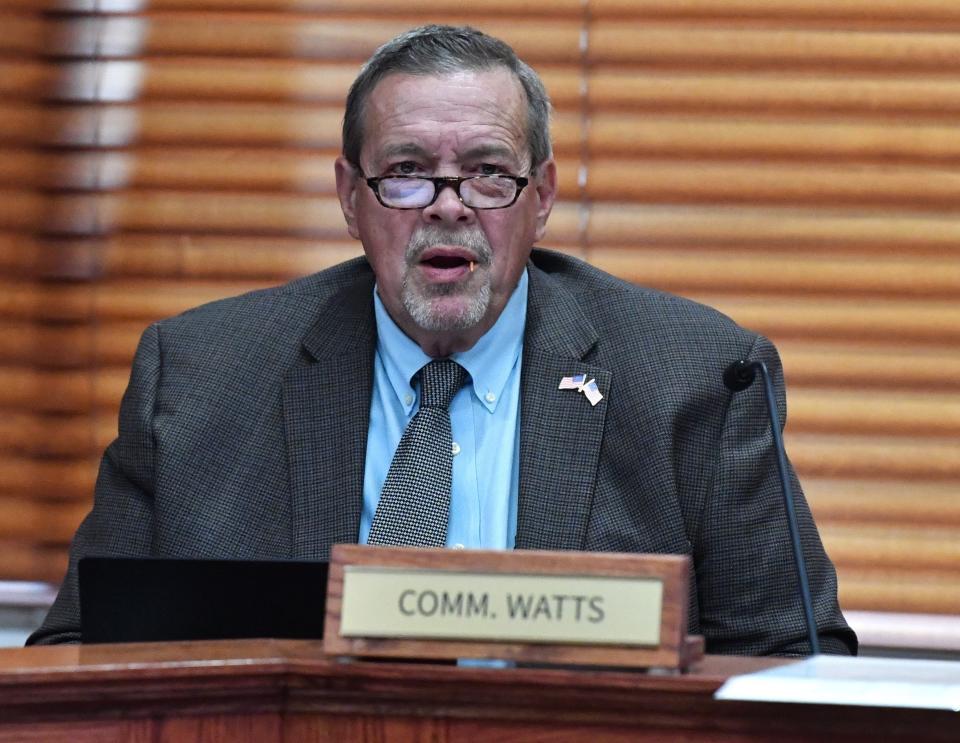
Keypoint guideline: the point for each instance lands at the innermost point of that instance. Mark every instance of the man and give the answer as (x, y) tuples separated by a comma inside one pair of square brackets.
[(266, 426)]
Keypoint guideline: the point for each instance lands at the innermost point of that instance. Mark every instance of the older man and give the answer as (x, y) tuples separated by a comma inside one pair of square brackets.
[(414, 397)]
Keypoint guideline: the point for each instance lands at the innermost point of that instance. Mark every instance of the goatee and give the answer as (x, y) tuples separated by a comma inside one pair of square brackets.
[(433, 307)]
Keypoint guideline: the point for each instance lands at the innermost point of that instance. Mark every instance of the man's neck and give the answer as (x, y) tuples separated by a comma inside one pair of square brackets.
[(442, 344)]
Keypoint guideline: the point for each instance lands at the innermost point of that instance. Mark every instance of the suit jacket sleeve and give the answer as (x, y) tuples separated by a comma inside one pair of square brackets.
[(121, 522), (746, 580)]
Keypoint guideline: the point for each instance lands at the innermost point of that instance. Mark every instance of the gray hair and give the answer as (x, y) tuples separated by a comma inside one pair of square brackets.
[(438, 50)]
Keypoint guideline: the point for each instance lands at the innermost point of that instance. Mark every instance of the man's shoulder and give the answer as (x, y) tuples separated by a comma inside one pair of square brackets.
[(268, 329), (617, 306), (293, 302)]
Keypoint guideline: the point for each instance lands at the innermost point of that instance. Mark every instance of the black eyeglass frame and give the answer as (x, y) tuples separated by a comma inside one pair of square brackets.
[(439, 184)]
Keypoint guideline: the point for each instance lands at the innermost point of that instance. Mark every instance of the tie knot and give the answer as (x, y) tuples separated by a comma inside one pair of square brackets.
[(439, 382)]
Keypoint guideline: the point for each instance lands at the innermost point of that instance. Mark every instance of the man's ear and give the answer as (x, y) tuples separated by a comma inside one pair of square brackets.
[(546, 185), (347, 192)]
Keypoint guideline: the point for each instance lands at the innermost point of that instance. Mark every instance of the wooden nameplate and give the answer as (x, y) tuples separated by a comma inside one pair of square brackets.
[(598, 609)]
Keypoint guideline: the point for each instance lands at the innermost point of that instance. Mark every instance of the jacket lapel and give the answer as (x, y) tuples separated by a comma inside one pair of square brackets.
[(326, 407), (560, 431)]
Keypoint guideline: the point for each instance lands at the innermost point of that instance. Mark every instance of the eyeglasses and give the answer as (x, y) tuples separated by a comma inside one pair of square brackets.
[(475, 191)]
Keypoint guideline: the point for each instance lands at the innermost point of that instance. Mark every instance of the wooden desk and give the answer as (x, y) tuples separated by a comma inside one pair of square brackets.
[(272, 691)]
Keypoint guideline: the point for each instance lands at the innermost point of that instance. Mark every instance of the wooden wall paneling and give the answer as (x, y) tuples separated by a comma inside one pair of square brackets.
[(925, 11), (895, 322), (420, 9), (897, 590), (711, 44), (43, 479), (879, 528), (861, 12), (876, 457), (716, 180), (893, 94), (828, 229), (28, 520), (24, 537), (23, 31), (545, 37), (66, 345), (60, 390), (894, 412), (32, 558), (853, 502), (21, 77), (810, 272), (38, 434), (909, 366), (762, 137), (21, 123)]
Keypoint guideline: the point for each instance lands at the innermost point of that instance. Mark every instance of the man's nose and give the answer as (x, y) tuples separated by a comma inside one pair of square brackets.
[(447, 208)]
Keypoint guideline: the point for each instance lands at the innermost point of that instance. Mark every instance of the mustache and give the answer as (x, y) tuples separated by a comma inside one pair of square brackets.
[(429, 236)]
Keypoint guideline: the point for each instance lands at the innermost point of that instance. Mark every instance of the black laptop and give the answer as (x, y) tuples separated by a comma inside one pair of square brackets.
[(147, 600)]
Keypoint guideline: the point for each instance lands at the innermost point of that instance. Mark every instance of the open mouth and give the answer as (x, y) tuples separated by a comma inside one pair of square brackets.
[(447, 261), (447, 265)]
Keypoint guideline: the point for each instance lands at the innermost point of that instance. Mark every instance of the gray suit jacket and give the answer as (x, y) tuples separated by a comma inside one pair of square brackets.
[(243, 433)]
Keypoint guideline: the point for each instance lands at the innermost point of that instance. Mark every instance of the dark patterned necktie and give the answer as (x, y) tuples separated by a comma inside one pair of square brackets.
[(415, 500)]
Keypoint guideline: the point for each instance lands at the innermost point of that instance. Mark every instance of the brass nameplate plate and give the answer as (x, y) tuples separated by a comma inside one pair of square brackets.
[(524, 606), (505, 607)]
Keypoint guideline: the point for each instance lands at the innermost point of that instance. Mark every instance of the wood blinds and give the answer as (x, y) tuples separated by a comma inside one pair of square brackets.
[(795, 163)]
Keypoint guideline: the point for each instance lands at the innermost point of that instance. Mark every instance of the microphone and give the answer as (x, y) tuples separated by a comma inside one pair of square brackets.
[(738, 376)]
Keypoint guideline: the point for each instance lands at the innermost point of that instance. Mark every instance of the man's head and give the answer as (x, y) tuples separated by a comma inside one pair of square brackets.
[(453, 103), (435, 51)]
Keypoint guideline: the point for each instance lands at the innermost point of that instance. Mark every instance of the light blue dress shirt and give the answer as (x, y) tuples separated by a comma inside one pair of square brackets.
[(484, 416)]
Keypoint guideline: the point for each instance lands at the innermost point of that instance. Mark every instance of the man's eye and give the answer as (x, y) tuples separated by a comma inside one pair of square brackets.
[(489, 169), (407, 167)]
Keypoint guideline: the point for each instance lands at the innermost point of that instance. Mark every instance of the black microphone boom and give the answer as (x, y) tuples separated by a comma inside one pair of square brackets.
[(738, 376)]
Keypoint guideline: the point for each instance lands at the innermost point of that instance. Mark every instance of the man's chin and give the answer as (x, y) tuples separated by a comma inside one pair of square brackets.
[(447, 313)]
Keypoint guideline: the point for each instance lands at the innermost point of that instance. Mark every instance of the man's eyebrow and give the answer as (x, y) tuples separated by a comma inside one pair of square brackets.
[(404, 148), (490, 150)]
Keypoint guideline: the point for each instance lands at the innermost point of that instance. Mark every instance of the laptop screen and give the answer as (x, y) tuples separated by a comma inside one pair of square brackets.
[(156, 599)]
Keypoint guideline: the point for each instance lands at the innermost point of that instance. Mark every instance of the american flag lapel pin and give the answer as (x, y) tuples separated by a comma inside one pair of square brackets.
[(579, 383), (573, 382), (592, 392)]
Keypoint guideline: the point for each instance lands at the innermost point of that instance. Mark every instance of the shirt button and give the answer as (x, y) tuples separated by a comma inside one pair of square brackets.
[(455, 449), (490, 397), (408, 399), (459, 546)]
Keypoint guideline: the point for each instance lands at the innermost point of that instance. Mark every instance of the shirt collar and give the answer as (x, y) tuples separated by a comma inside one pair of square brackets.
[(489, 362)]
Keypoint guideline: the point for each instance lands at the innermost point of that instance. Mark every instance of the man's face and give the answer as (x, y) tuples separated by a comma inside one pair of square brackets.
[(446, 270)]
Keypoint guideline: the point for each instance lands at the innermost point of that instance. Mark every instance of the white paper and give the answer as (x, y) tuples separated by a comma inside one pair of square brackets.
[(870, 682)]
